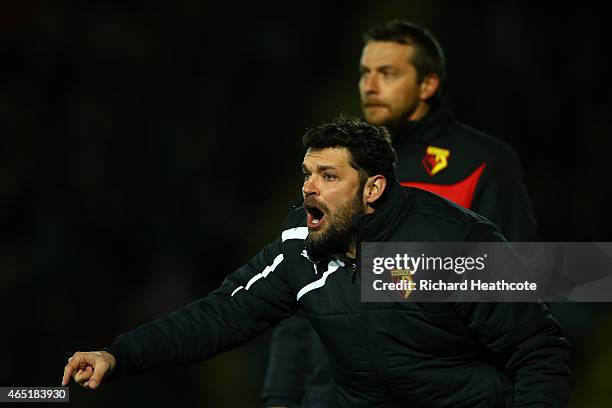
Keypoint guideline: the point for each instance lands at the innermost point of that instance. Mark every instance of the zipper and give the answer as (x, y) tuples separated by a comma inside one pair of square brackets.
[(356, 268)]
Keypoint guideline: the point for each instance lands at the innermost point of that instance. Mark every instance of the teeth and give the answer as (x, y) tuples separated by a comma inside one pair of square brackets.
[(315, 221)]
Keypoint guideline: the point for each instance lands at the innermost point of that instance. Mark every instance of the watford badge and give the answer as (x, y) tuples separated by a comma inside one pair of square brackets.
[(403, 278), (435, 160)]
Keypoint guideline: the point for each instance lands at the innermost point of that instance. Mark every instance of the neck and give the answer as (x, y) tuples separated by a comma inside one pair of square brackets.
[(351, 252), (420, 112)]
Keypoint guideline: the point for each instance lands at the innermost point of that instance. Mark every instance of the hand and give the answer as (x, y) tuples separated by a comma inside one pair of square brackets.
[(88, 368)]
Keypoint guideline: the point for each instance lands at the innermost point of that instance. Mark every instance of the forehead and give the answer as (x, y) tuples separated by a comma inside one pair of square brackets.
[(329, 156), (377, 53)]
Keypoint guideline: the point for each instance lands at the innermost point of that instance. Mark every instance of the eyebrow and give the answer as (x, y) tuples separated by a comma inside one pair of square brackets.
[(386, 68), (378, 68), (321, 167)]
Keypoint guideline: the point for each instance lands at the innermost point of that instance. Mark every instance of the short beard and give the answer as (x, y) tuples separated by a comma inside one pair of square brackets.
[(393, 123), (338, 236)]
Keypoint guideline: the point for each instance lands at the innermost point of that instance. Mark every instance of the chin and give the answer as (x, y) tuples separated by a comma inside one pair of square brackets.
[(314, 236), (376, 120)]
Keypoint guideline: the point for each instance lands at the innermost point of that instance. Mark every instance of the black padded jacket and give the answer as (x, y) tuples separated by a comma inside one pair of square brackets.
[(437, 154), (382, 354)]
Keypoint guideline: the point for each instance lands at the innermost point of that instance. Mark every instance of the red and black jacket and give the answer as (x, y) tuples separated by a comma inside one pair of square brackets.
[(444, 156)]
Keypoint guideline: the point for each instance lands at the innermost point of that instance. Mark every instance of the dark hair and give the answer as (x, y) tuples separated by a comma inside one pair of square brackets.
[(369, 146), (428, 56)]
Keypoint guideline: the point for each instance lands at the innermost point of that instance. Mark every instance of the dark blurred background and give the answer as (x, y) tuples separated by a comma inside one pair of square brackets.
[(148, 150)]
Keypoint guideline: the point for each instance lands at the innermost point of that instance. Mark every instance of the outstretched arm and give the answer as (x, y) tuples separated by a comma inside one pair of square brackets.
[(251, 299)]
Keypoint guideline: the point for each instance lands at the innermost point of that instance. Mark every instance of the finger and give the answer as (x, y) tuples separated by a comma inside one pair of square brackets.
[(98, 374), (68, 370), (74, 363), (77, 375), (83, 375), (66, 375), (77, 360)]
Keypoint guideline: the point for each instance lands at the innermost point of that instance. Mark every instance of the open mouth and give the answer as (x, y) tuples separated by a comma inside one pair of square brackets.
[(315, 216)]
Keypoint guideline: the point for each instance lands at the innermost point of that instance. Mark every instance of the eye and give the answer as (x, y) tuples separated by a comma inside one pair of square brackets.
[(330, 177), (305, 175)]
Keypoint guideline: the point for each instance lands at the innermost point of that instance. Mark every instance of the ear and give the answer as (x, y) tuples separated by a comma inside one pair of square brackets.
[(429, 86), (373, 190)]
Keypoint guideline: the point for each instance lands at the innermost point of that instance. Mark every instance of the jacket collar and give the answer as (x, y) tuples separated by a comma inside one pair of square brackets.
[(424, 130), (387, 217)]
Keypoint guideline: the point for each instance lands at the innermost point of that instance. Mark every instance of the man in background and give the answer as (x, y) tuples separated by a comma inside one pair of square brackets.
[(402, 71)]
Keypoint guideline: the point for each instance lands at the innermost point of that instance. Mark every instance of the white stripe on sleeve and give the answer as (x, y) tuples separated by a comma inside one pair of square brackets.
[(331, 268), (236, 290), (267, 270)]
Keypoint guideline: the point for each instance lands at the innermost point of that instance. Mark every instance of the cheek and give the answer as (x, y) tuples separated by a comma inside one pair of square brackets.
[(405, 96), (335, 198)]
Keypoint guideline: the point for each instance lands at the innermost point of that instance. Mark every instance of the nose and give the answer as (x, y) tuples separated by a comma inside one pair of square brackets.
[(310, 187), (369, 83)]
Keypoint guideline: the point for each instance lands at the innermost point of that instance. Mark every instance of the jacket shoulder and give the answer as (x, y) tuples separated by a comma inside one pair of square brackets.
[(429, 204), (483, 143), (296, 217), (435, 218)]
